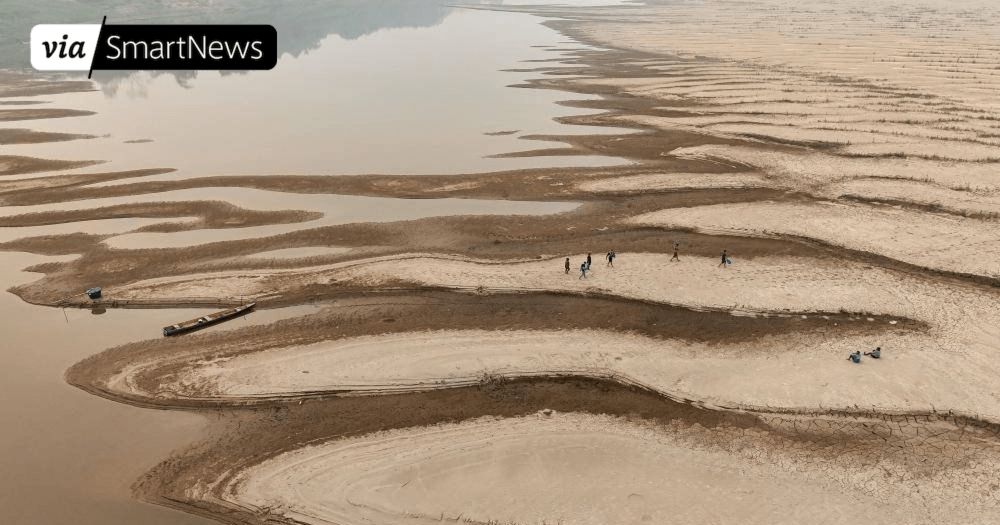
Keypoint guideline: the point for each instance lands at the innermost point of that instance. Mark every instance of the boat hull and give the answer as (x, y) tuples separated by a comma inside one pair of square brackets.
[(206, 321)]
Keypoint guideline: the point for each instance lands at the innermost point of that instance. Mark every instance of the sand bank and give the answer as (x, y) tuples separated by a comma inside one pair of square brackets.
[(505, 470), (948, 365), (952, 244), (784, 150)]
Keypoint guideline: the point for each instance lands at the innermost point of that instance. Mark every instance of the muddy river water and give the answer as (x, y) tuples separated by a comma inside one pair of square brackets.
[(69, 457), (398, 88), (406, 100)]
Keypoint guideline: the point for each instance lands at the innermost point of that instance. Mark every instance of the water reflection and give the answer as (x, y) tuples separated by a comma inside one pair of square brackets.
[(406, 100), (394, 86), (301, 24)]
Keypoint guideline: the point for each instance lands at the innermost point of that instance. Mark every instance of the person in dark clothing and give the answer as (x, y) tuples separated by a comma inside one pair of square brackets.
[(611, 258), (855, 357), (567, 266), (583, 270), (675, 257), (725, 259), (588, 261), (876, 353)]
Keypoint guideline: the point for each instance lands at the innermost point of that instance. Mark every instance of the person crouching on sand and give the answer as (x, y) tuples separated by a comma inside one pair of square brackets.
[(855, 357), (567, 266), (583, 270), (876, 353)]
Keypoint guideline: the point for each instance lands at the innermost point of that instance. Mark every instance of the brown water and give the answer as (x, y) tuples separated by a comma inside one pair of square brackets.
[(399, 99), (336, 209), (97, 227), (403, 100), (347, 209), (68, 456)]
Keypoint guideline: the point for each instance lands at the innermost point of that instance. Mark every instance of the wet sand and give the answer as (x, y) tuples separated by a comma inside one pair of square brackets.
[(452, 370)]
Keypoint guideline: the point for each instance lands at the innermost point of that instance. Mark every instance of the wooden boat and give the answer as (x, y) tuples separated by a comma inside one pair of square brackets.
[(208, 320)]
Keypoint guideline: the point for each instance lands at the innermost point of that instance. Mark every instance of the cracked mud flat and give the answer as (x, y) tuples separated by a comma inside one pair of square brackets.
[(456, 373)]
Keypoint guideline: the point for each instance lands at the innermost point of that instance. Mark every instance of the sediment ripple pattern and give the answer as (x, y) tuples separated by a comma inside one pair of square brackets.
[(573, 468)]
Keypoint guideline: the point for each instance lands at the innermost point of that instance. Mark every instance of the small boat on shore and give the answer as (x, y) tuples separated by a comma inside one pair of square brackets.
[(208, 320)]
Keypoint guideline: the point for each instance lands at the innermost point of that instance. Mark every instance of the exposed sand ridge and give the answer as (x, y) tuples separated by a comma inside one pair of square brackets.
[(845, 155)]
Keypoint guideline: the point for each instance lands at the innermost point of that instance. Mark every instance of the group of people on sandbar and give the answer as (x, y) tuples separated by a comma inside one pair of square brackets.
[(724, 263), (874, 354), (585, 265), (610, 257)]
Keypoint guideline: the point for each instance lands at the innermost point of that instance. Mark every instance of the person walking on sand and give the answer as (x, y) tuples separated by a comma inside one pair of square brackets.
[(855, 357), (611, 258), (725, 259), (583, 270), (675, 258), (876, 353), (567, 266), (588, 261)]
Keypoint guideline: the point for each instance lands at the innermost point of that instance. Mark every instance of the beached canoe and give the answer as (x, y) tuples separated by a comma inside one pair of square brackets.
[(210, 319)]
